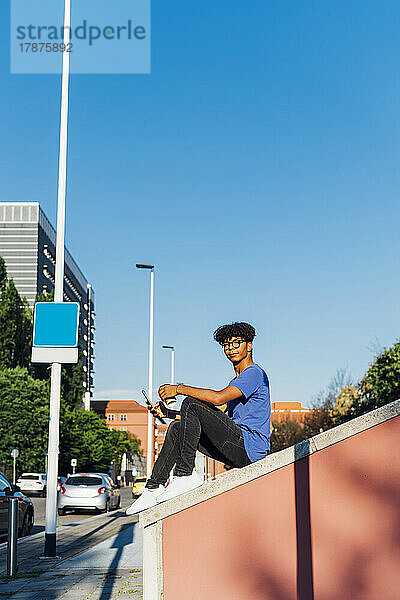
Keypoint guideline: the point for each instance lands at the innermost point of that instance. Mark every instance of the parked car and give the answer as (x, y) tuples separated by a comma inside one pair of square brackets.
[(25, 508), (115, 486), (88, 491), (138, 486), (33, 483)]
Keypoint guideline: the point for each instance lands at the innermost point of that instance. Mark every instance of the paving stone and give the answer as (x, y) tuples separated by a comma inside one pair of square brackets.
[(108, 569)]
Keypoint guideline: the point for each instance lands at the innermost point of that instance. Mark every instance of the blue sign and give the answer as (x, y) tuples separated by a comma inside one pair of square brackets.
[(56, 325)]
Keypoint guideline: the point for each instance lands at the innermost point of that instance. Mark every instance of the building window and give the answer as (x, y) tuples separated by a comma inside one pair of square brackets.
[(123, 417), (123, 428), (110, 417)]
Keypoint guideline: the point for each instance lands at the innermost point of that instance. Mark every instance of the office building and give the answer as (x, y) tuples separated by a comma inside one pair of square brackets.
[(28, 246)]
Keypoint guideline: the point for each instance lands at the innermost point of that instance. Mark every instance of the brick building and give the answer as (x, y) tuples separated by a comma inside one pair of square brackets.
[(284, 411)]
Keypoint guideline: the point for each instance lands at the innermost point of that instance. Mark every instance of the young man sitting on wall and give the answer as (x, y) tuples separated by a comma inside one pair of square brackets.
[(237, 438)]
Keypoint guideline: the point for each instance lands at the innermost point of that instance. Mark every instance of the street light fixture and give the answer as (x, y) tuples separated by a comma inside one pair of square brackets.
[(150, 444), (172, 348)]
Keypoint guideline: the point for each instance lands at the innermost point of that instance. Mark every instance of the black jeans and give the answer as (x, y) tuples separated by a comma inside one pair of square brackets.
[(202, 427)]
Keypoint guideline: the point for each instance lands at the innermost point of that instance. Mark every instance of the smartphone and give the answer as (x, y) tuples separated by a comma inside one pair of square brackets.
[(151, 408)]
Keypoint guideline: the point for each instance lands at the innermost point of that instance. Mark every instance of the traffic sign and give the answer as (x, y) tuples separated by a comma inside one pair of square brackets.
[(15, 453), (55, 332), (74, 462)]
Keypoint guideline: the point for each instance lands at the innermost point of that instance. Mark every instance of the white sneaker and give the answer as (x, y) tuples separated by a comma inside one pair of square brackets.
[(147, 499), (180, 485)]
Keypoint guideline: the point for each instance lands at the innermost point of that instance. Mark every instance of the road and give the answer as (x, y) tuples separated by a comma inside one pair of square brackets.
[(106, 542), (71, 517)]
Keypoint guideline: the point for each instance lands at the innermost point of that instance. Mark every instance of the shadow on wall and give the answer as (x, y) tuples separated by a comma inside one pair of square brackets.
[(264, 578), (304, 551), (355, 512), (344, 539)]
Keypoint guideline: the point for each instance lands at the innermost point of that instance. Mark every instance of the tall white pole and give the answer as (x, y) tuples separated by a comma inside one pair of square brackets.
[(54, 422), (150, 444), (172, 365)]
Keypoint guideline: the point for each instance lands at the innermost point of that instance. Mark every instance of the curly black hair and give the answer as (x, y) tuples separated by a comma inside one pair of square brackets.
[(242, 330)]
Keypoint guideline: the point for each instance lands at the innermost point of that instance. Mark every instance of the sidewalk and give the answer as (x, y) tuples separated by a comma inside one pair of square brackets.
[(100, 559)]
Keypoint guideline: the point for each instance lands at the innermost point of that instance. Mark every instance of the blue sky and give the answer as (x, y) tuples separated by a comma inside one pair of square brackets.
[(257, 167)]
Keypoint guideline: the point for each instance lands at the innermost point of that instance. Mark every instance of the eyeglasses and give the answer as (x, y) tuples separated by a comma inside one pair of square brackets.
[(234, 343)]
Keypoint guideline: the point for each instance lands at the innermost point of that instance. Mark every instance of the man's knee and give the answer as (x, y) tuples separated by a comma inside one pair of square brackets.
[(194, 405), (173, 429), (187, 402)]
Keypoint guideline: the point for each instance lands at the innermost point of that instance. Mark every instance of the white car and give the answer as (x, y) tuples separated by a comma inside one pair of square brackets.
[(33, 483), (88, 491)]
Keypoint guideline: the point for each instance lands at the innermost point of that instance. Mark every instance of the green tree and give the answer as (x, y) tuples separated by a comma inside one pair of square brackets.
[(380, 385), (24, 419), (24, 422), (86, 437), (72, 377), (123, 442), (344, 402), (3, 274), (285, 434), (15, 328)]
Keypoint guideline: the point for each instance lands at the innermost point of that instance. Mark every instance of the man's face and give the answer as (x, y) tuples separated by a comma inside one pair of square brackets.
[(236, 349)]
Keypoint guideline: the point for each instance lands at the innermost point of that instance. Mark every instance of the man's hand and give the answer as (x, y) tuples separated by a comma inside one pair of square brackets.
[(157, 411), (167, 391), (168, 412)]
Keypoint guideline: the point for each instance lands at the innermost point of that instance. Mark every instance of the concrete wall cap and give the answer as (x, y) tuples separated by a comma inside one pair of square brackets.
[(275, 461)]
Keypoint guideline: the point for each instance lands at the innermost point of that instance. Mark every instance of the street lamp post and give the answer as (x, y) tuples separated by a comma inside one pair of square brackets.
[(172, 348), (54, 422), (150, 444)]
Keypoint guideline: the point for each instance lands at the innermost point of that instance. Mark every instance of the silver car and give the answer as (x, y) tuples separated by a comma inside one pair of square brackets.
[(88, 491)]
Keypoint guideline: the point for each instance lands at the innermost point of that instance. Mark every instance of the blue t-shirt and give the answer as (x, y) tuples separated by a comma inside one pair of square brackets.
[(252, 411)]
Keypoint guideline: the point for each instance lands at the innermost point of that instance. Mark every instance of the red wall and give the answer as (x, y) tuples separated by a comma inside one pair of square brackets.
[(324, 528)]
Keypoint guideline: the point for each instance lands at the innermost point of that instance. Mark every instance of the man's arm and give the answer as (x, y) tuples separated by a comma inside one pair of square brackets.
[(211, 396)]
